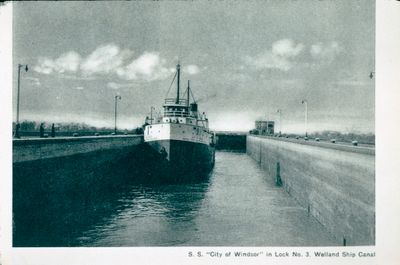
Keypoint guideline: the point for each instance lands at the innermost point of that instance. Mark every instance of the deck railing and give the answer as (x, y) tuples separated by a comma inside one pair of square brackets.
[(172, 101), (176, 114)]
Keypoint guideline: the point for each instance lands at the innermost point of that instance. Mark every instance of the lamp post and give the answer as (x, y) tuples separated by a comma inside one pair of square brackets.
[(151, 114), (17, 125), (280, 120), (115, 113), (306, 114), (371, 74)]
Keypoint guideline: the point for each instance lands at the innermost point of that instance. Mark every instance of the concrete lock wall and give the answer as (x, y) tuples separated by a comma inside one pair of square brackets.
[(34, 149), (335, 183)]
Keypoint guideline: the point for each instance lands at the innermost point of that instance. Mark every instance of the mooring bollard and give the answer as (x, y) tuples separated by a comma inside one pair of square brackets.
[(278, 179), (53, 131), (41, 130)]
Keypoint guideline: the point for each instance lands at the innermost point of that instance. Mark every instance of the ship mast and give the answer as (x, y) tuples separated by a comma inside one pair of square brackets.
[(188, 94), (178, 70)]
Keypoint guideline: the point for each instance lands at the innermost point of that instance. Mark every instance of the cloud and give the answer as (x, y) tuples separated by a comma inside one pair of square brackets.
[(325, 52), (104, 60), (280, 56), (67, 62), (191, 69), (270, 61), (44, 66), (148, 66), (286, 48), (33, 80), (109, 59), (114, 85)]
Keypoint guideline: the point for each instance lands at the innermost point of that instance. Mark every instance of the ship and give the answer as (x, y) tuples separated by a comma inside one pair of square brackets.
[(181, 137)]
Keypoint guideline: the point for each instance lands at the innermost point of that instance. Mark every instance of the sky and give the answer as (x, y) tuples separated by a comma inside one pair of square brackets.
[(244, 59)]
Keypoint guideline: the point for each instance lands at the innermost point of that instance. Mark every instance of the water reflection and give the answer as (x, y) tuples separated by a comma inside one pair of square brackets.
[(158, 215)]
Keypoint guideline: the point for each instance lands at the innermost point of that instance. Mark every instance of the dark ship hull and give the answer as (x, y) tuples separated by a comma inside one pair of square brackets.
[(183, 161)]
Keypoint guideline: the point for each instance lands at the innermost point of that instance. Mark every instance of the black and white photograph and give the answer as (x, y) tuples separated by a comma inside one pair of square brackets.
[(194, 125)]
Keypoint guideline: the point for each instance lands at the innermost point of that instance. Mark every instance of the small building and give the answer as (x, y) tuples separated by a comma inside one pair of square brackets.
[(265, 127)]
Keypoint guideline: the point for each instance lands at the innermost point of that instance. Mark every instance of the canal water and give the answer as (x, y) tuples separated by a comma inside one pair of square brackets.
[(238, 205)]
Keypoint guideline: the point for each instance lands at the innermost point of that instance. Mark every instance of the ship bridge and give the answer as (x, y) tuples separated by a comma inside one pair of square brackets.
[(179, 108)]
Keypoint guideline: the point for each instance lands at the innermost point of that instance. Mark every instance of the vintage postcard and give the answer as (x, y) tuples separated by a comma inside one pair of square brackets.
[(179, 132)]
